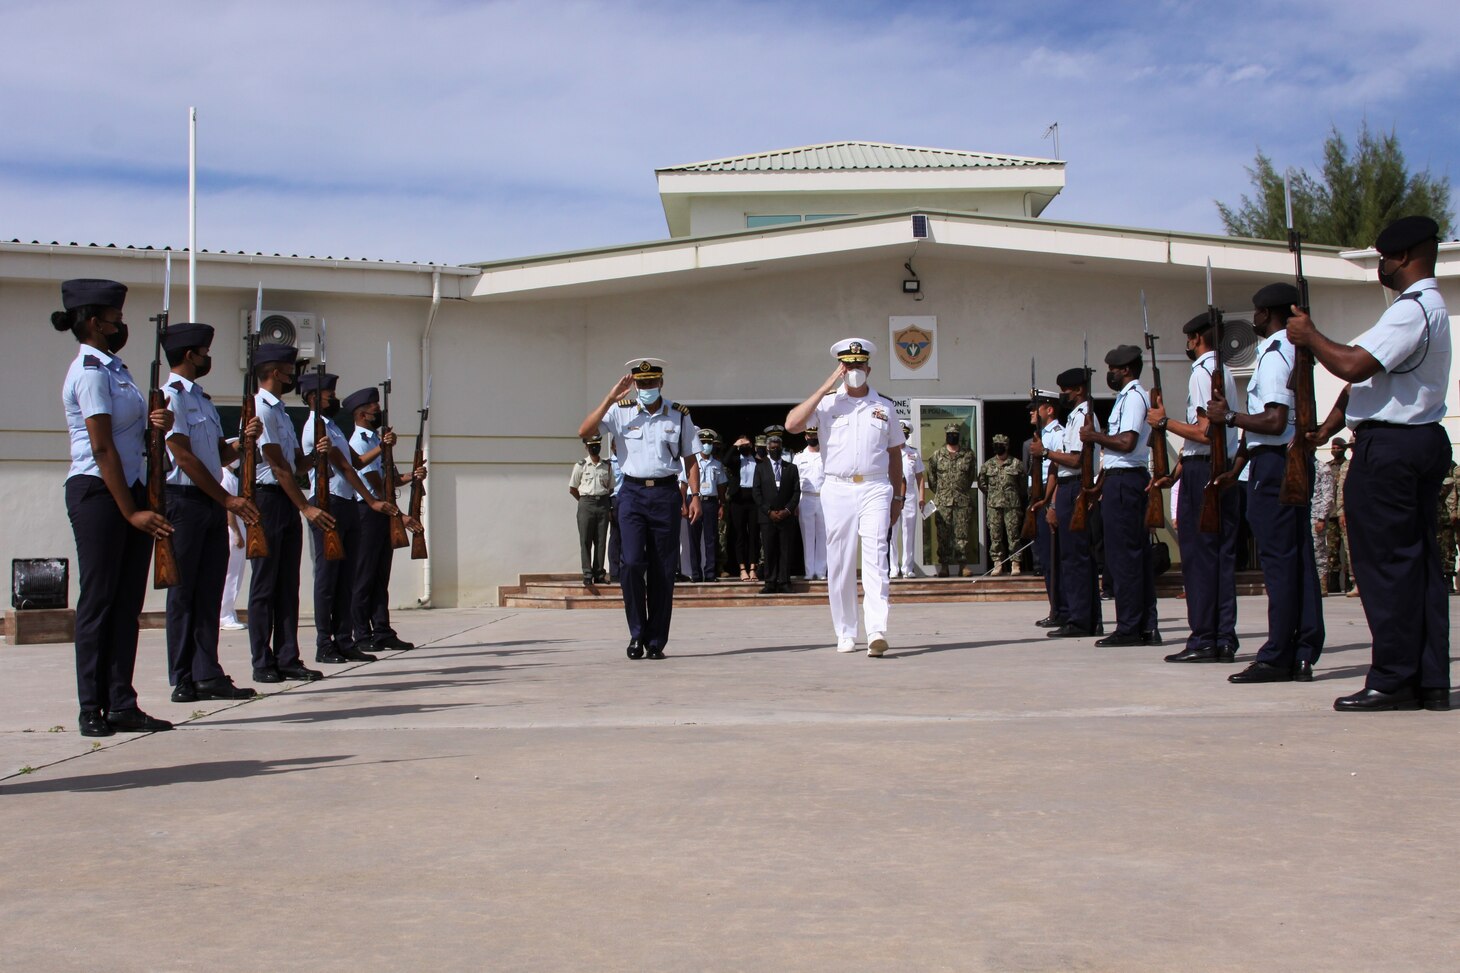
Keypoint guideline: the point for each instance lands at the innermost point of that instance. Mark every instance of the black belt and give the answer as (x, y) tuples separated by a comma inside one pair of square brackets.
[(1265, 448), (658, 481), (190, 492), (1378, 424), (594, 496), (1124, 471)]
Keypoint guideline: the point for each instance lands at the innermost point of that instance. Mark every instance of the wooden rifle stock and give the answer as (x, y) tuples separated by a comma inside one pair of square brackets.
[(334, 547), (418, 493), (388, 478), (1160, 466), (1211, 501), (164, 565), (1297, 488), (256, 542), (1088, 491)]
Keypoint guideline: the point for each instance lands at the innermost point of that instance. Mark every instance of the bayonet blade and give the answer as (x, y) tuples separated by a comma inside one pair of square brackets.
[(387, 361), (1145, 317), (1288, 198), (258, 309), (322, 326), (1210, 302), (1087, 355), (1033, 385), (426, 403), (167, 284)]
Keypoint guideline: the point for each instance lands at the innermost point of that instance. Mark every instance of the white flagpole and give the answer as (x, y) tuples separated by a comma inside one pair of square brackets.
[(193, 214)]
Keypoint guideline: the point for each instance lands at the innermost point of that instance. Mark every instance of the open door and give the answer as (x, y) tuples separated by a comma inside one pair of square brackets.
[(928, 419)]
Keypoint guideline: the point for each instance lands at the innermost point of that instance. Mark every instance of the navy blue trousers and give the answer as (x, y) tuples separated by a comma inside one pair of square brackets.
[(1289, 572), (648, 522), (1208, 561), (1128, 550), (704, 540), (1043, 552), (1078, 579), (111, 562), (200, 543), (334, 581), (370, 594), (273, 585), (1391, 503)]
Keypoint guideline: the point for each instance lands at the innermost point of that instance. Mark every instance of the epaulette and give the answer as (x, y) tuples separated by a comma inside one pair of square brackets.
[(681, 408), (625, 403), (176, 386), (90, 361), (207, 396)]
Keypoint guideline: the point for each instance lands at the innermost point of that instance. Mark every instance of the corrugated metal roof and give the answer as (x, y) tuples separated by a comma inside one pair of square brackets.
[(241, 253), (859, 155)]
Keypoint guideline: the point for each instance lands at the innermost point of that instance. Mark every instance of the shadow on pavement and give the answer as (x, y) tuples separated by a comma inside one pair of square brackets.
[(331, 715), (199, 773), (896, 653)]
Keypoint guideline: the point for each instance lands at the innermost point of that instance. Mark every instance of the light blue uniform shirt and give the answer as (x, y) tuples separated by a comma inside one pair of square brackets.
[(362, 441), (618, 474), (98, 384), (1129, 415), (1198, 394), (712, 475), (1073, 422), (1412, 341), (1051, 437), (1269, 386), (649, 445), (278, 431), (193, 416), (339, 486)]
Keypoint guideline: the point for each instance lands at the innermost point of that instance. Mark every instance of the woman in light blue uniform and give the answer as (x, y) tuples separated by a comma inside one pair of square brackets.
[(106, 499)]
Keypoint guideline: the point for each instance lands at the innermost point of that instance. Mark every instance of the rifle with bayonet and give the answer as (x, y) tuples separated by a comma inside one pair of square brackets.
[(1297, 489), (257, 542), (418, 486), (1089, 490), (1160, 462), (1211, 502), (164, 566), (334, 547), (1036, 465), (388, 478)]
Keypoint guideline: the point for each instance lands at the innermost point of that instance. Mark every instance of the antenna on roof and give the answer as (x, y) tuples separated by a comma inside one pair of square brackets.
[(1054, 129)]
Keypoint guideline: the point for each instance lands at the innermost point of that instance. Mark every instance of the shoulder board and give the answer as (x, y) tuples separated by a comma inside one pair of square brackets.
[(681, 408), (90, 361), (625, 403), (176, 386), (206, 395)]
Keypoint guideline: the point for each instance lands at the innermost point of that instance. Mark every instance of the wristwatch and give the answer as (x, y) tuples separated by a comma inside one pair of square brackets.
[(904, 497), (1161, 426)]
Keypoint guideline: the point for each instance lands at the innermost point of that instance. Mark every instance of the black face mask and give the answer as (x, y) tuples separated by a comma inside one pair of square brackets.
[(288, 387), (1001, 449), (811, 440), (116, 341), (1386, 279), (745, 450), (760, 452), (330, 410), (775, 453), (595, 449), (205, 366), (951, 438), (1114, 382), (1191, 354)]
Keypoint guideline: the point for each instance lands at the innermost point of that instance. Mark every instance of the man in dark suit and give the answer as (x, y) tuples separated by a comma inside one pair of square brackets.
[(777, 492)]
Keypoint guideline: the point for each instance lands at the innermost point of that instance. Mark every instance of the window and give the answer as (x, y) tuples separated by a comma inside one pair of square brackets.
[(752, 222)]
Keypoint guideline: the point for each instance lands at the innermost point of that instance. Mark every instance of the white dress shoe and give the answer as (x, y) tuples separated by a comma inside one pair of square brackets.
[(876, 645), (846, 645)]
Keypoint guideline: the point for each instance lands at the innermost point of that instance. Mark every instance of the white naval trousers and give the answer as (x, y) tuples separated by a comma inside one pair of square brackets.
[(813, 534), (228, 615), (905, 532), (856, 510)]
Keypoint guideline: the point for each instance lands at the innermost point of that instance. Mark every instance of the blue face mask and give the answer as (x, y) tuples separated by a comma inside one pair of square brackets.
[(707, 448), (647, 397)]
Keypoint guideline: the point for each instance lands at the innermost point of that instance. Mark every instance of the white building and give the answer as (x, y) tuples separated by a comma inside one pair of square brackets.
[(771, 257)]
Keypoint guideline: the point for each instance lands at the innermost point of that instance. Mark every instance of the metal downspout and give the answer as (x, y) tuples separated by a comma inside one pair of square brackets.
[(425, 600)]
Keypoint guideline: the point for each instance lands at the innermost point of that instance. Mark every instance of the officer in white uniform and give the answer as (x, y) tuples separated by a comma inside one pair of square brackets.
[(905, 527), (813, 521), (862, 489)]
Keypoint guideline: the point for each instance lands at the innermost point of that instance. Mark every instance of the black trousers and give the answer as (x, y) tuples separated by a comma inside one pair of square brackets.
[(370, 593), (1208, 561), (615, 545), (111, 562), (1128, 550), (704, 541), (1289, 572), (273, 584), (776, 542), (648, 521), (1391, 502), (334, 581), (744, 540), (1079, 582), (200, 543), (594, 513), (1044, 555)]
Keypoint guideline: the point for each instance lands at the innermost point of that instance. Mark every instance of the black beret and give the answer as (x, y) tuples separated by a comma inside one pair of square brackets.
[(1071, 377), (270, 353), (1281, 294), (1406, 232), (312, 381), (85, 291), (366, 396), (1122, 355), (188, 334), (1197, 324)]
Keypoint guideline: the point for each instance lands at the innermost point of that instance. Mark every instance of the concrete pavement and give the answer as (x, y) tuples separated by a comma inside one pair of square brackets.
[(516, 795)]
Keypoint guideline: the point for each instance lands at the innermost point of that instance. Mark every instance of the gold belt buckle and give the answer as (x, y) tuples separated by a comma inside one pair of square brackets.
[(858, 478), (648, 483)]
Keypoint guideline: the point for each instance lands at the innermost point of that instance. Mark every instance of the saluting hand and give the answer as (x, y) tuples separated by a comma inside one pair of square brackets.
[(622, 388)]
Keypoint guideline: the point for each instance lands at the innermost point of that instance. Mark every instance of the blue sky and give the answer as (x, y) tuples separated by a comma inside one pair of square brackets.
[(460, 131)]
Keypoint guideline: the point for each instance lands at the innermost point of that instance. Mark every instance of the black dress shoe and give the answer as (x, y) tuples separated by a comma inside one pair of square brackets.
[(600, 578), (93, 724), (385, 642), (1204, 653), (297, 671), (1262, 672), (267, 675), (1303, 672), (587, 577), (1153, 637), (654, 652), (636, 649), (185, 692), (354, 654), (1069, 630), (135, 721), (332, 655), (1435, 700), (770, 589), (1051, 621), (223, 688), (1117, 639), (1373, 701), (1226, 653)]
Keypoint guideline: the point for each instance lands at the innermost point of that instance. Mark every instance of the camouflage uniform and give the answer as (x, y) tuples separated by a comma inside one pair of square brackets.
[(1000, 480), (1449, 512), (1338, 549), (1325, 512), (950, 476)]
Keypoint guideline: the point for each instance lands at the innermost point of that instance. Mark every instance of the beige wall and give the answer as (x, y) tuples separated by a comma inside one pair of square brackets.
[(727, 213)]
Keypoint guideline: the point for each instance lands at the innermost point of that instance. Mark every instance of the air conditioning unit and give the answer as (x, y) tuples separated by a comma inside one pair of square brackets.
[(297, 328), (1239, 344)]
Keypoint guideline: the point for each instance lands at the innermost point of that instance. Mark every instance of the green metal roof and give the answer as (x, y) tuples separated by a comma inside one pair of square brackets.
[(831, 156)]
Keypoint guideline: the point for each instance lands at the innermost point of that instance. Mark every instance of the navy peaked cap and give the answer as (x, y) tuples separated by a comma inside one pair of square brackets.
[(366, 396), (1281, 294), (313, 382), (189, 334), (1405, 232), (267, 354), (84, 291)]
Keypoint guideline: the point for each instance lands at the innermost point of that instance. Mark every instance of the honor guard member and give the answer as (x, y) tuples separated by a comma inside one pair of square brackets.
[(273, 586), (106, 500), (591, 484), (1398, 372), (999, 478), (1125, 452), (900, 549), (862, 489), (1078, 580), (370, 596), (1208, 561), (1289, 573), (744, 537), (809, 515), (198, 508), (777, 492), (1043, 417), (334, 581), (652, 438), (951, 472), (704, 533)]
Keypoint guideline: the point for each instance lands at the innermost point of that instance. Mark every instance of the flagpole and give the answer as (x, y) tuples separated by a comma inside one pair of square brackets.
[(192, 214)]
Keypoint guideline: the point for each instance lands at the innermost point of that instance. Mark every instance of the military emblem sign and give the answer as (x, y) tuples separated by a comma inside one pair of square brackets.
[(914, 347)]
